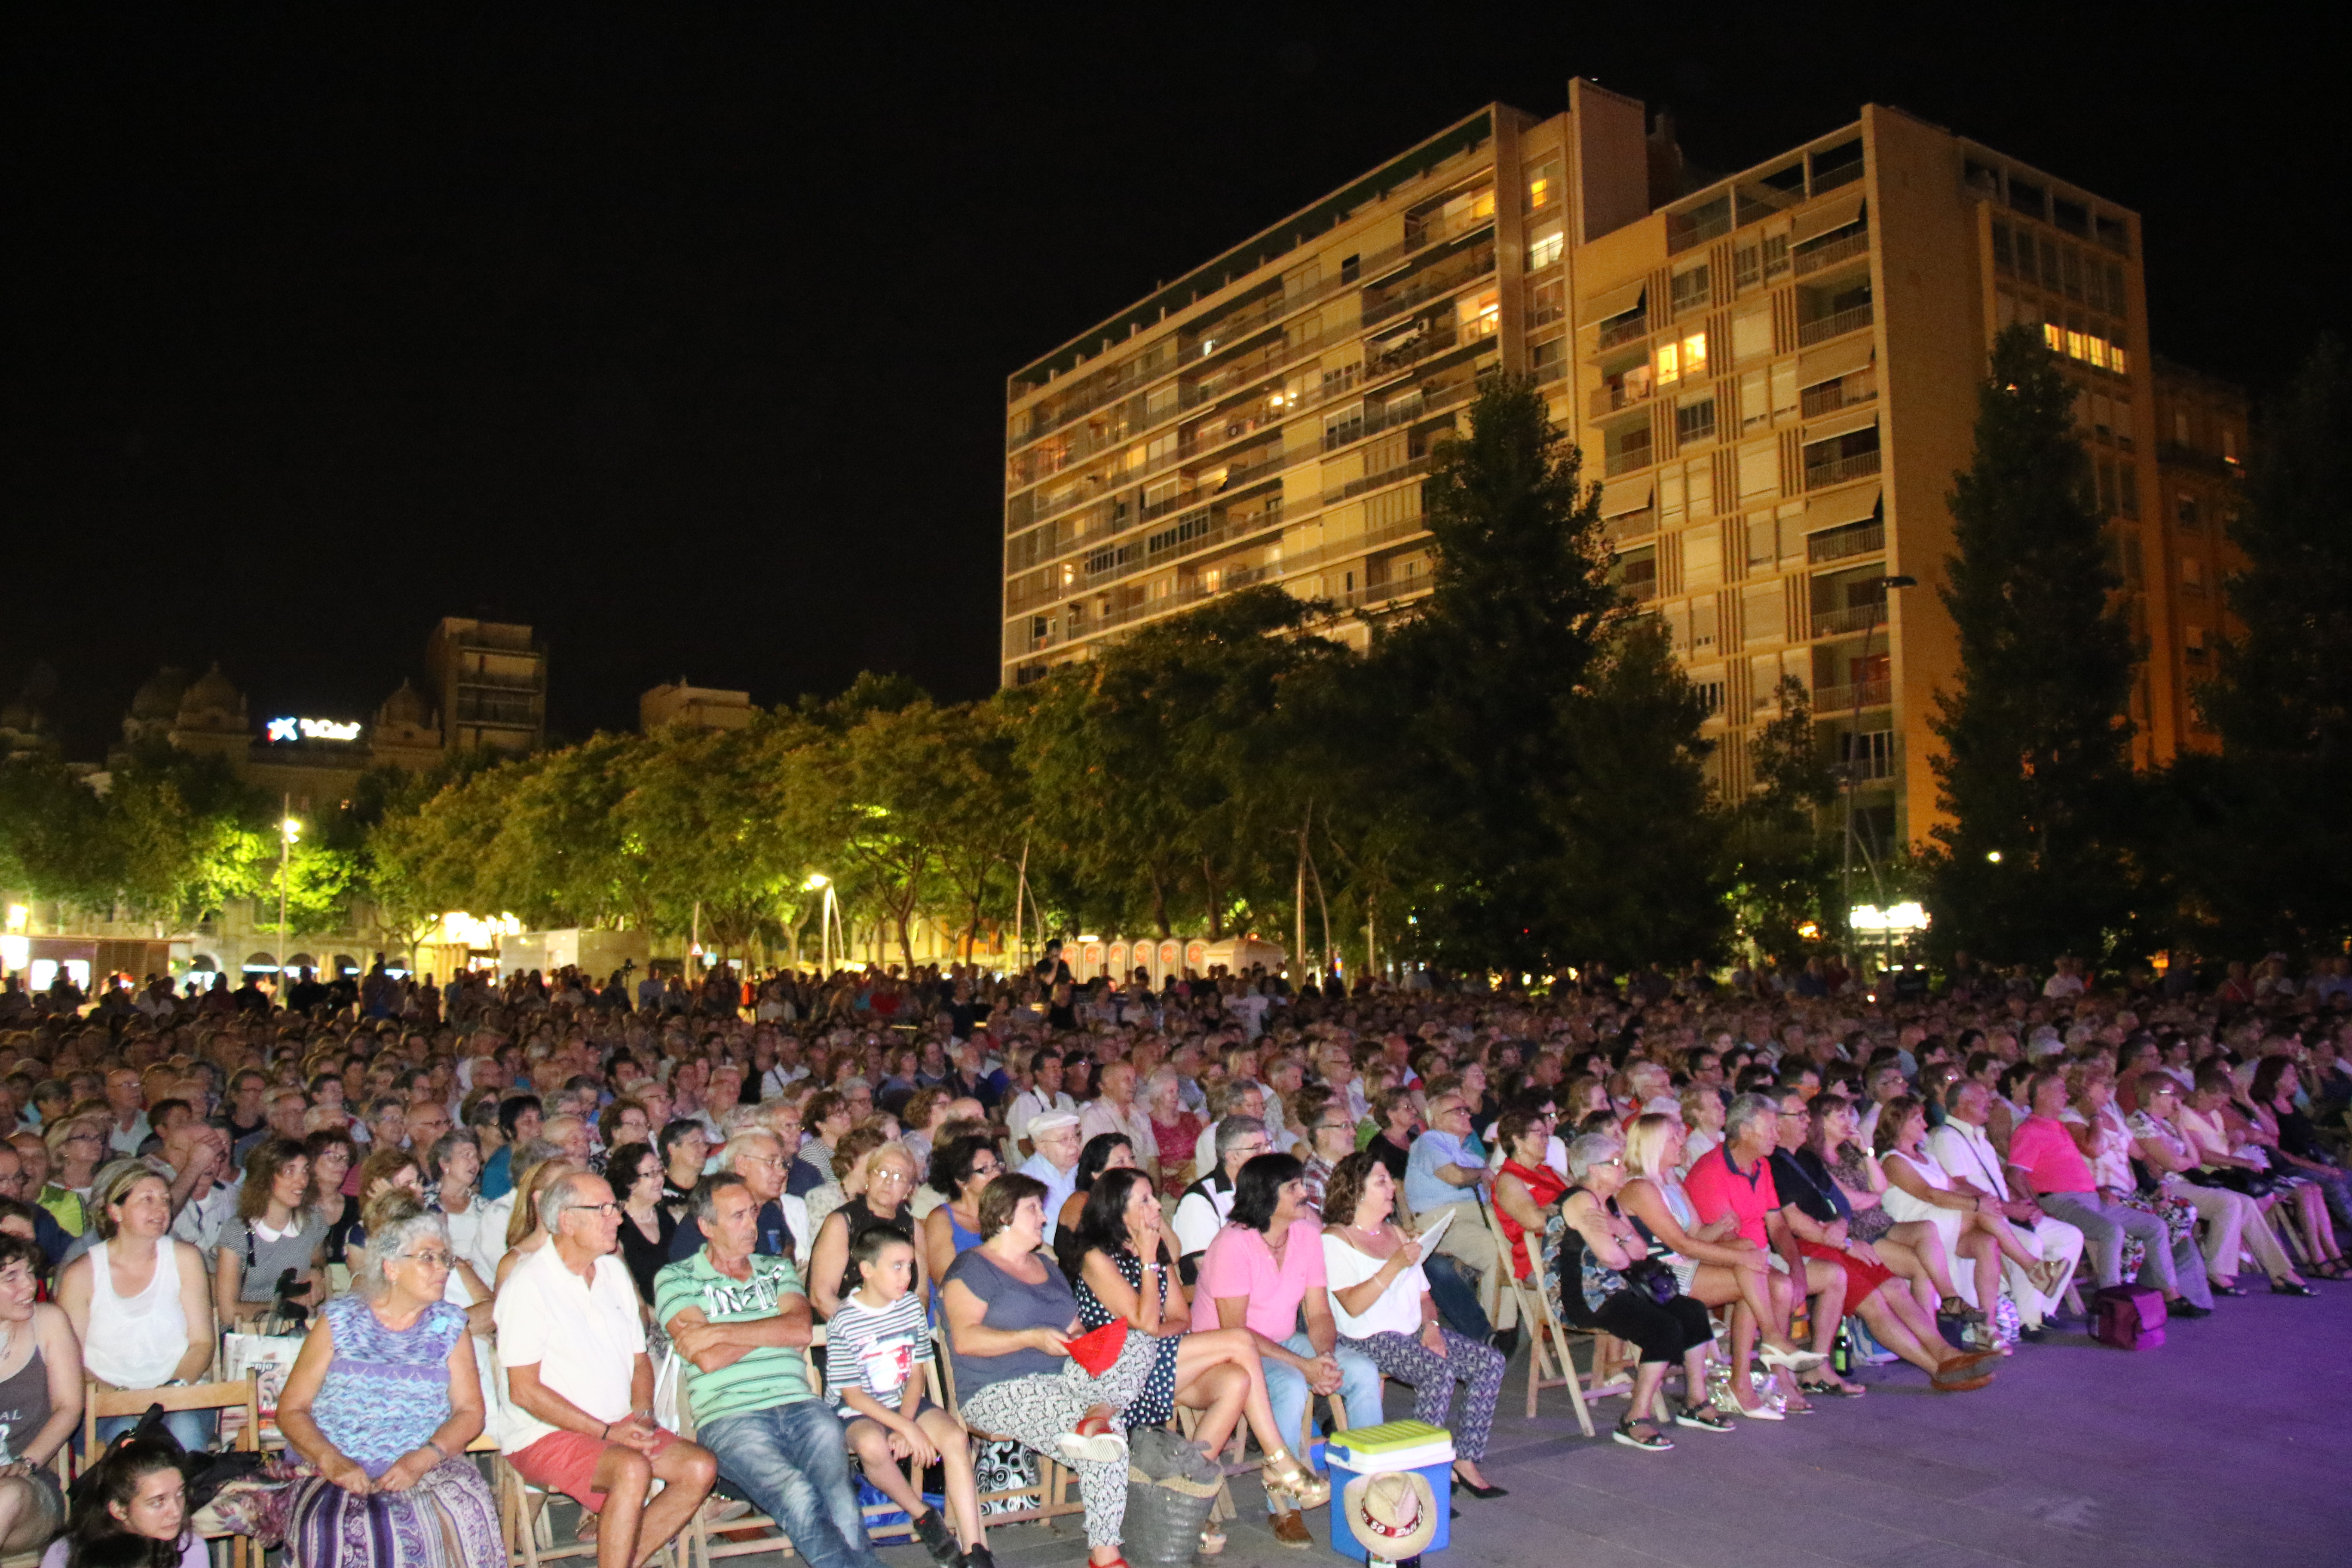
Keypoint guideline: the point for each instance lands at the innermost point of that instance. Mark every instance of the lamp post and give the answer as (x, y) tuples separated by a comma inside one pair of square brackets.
[(826, 917), (289, 830), (1852, 768)]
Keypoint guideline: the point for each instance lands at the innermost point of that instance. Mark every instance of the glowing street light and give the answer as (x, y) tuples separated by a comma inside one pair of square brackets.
[(289, 831), (1993, 856)]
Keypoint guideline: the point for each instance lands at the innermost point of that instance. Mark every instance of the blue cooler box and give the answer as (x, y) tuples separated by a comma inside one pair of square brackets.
[(1427, 1451)]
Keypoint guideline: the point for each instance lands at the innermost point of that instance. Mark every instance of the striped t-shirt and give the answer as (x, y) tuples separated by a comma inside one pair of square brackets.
[(763, 1378), (877, 1348)]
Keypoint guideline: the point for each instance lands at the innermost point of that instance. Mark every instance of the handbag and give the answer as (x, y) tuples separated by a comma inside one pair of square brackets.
[(1648, 1276)]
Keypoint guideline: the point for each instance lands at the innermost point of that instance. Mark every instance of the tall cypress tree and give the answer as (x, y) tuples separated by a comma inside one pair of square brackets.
[(2037, 774)]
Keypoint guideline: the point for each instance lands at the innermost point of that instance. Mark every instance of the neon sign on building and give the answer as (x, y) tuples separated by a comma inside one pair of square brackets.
[(278, 729)]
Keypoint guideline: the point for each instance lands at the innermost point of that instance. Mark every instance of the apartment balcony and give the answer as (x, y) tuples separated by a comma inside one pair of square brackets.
[(1845, 545), (1838, 470), (1630, 525), (1624, 330), (1126, 378), (1845, 622), (1843, 392), (1550, 371), (1831, 251), (1354, 488), (1356, 545), (1404, 411), (1446, 277), (1830, 700), (1437, 339), (1610, 396), (1822, 329), (1627, 461)]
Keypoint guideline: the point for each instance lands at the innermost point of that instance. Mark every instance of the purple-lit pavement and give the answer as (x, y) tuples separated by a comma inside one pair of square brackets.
[(2230, 1445)]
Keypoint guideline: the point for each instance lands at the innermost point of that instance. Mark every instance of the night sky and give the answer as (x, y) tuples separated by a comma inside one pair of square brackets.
[(681, 332)]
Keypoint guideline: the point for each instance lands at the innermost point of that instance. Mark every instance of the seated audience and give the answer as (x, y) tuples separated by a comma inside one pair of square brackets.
[(275, 1229), (40, 1398), (139, 1300)]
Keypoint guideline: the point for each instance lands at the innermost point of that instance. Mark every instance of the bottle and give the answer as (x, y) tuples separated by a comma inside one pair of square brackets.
[(1842, 1353)]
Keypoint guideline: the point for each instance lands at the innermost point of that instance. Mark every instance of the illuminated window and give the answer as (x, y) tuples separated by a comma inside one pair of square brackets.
[(1695, 355), (1543, 185), (2055, 336), (1546, 250), (1670, 361), (2116, 360), (1480, 313), (2076, 348)]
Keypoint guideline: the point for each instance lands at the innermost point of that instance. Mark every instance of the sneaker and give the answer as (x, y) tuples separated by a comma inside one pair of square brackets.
[(977, 1557), (937, 1538)]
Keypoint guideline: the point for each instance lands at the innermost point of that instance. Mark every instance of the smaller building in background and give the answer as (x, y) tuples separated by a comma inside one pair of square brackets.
[(2201, 422), (704, 707), (492, 678)]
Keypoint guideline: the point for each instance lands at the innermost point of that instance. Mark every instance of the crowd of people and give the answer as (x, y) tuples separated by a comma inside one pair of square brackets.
[(604, 1220)]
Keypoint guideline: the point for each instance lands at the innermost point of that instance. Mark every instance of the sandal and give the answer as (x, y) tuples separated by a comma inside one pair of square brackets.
[(1213, 1540), (1285, 1477), (1705, 1417), (1657, 1442), (1831, 1386), (1094, 1441)]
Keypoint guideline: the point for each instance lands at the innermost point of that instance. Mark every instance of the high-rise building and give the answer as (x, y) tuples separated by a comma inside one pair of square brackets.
[(2201, 443), (491, 679), (1774, 373)]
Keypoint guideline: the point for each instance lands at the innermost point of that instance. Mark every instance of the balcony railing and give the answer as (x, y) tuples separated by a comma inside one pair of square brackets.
[(1624, 330), (1354, 488), (1435, 339), (1628, 525), (1084, 402), (1626, 461), (1341, 548), (1550, 371), (1837, 470), (1831, 251), (1610, 396), (1842, 393), (1844, 544), (1849, 620), (1833, 326), (1444, 278), (1829, 700)]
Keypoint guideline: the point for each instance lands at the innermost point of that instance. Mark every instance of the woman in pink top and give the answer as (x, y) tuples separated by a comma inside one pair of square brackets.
[(1266, 1267)]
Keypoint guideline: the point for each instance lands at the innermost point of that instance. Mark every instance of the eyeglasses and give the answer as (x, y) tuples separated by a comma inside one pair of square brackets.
[(895, 1175), (988, 1170), (597, 1208), (432, 1259)]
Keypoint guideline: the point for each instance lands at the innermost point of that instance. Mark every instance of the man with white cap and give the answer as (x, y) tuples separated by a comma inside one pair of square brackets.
[(1054, 1134)]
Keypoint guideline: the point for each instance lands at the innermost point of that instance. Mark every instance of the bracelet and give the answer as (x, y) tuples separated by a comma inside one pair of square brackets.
[(442, 1452)]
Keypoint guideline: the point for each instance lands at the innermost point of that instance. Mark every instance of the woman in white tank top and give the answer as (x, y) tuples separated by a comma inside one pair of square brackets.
[(158, 1332)]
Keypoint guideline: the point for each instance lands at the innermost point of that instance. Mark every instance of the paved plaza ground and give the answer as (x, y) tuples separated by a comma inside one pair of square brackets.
[(2230, 1445)]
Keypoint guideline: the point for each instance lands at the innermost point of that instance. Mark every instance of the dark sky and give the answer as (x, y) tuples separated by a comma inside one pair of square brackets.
[(682, 331)]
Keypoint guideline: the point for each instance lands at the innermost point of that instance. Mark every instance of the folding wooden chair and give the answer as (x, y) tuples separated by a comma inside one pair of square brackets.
[(1547, 1335), (242, 1395), (523, 1522), (1052, 1489)]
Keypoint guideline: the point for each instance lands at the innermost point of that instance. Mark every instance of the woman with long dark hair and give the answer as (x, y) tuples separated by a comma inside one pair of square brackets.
[(133, 1514)]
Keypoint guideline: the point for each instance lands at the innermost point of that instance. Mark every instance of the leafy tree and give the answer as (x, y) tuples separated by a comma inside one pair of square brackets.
[(2037, 769), (2259, 848), (53, 838)]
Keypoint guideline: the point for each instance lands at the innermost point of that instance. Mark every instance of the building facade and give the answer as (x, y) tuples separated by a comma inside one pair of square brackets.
[(1774, 374), (2202, 426)]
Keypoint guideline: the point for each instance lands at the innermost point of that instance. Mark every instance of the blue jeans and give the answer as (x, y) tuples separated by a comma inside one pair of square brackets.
[(793, 1461), (194, 1428), (1286, 1390)]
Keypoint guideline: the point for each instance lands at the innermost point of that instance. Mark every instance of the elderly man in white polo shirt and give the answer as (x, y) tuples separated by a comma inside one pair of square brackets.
[(1967, 1157), (580, 1388), (1117, 1111)]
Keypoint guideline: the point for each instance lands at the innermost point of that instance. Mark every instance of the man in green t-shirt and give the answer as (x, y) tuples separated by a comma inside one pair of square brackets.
[(741, 1321)]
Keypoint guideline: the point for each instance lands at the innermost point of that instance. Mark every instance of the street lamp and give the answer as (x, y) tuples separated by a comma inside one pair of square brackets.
[(289, 830), (1851, 770)]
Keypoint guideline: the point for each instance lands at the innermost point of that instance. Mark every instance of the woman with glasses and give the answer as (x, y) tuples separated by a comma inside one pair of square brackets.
[(883, 1178), (962, 1169), (635, 1171), (2233, 1222), (381, 1405)]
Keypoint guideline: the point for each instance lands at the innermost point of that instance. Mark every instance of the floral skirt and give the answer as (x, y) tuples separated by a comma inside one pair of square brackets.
[(2180, 1216), (447, 1519)]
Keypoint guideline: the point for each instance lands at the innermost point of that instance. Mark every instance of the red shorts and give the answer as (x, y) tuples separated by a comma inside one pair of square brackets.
[(1862, 1277), (566, 1462)]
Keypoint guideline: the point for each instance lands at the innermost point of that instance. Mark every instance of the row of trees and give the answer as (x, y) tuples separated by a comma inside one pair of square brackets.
[(1511, 777)]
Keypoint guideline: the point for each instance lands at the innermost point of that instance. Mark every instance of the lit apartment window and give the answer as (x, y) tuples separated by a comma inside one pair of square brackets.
[(1688, 357), (1546, 250), (1480, 313), (1543, 185)]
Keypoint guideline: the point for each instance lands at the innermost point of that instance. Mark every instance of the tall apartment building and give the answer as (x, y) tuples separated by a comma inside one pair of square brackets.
[(1774, 374), (491, 679), (2201, 425)]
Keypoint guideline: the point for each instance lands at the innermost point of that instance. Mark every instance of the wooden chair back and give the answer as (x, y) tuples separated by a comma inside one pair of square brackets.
[(242, 1394)]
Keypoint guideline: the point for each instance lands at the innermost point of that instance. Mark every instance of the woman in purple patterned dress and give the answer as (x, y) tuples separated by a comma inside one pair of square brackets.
[(382, 1402)]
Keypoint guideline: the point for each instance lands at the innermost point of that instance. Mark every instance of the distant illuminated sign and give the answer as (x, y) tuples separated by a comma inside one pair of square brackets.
[(311, 729)]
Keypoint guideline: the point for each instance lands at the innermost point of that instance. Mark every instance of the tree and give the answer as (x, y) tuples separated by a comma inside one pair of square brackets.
[(2036, 777), (1541, 746), (53, 837), (2259, 846), (1784, 864)]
